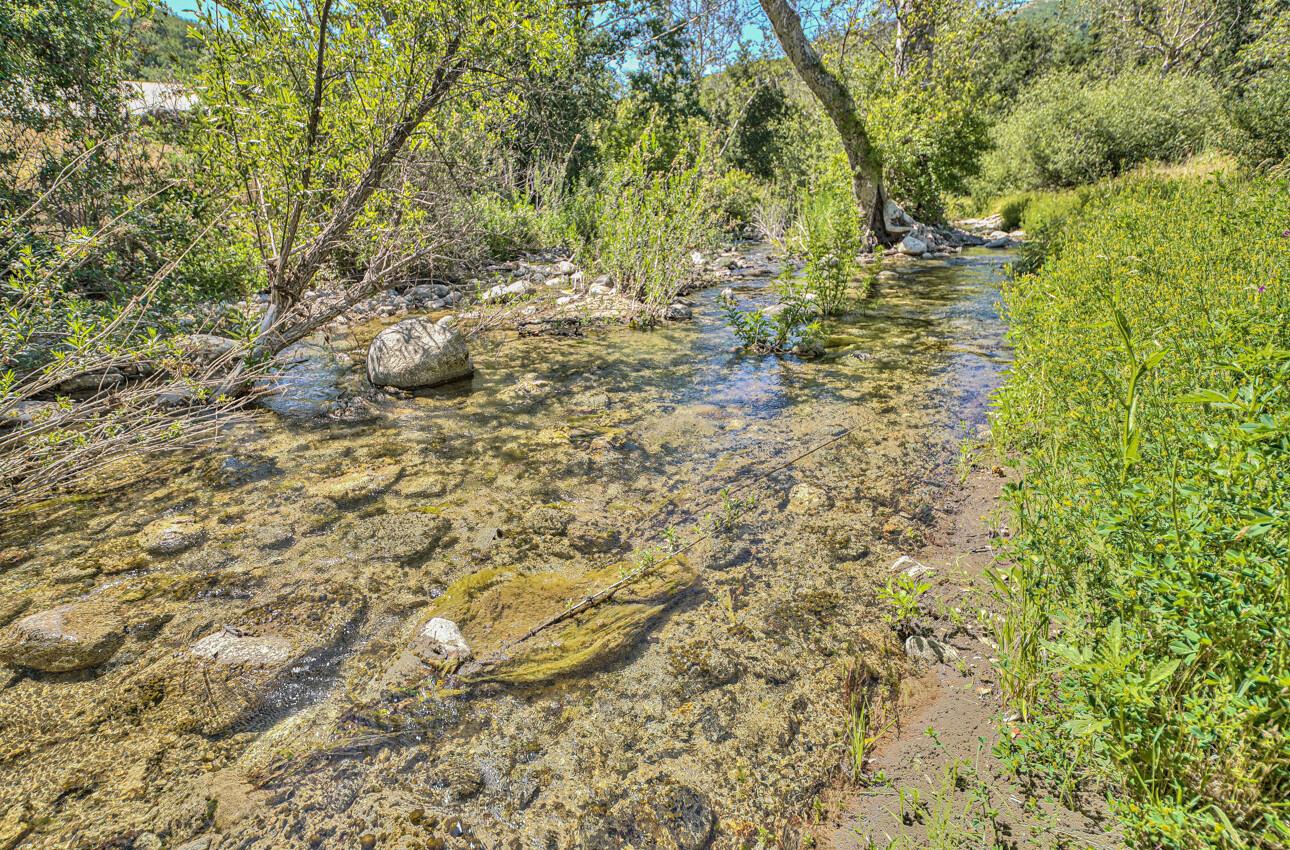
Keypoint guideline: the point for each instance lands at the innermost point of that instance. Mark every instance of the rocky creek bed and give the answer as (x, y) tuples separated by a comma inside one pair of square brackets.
[(230, 652)]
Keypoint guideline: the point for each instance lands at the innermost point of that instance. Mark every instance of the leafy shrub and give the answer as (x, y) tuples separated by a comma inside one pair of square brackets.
[(1259, 107), (736, 197), (1147, 637), (639, 225), (1066, 131), (1260, 119), (930, 140), (1012, 207), (789, 325)]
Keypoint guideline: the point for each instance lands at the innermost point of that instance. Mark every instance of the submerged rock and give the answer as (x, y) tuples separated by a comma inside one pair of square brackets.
[(807, 498), (63, 639), (231, 648), (360, 485), (171, 536), (304, 381), (403, 538), (417, 353), (494, 608), (440, 640)]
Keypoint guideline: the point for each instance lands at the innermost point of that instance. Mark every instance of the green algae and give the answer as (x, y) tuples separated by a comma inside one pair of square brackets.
[(495, 609)]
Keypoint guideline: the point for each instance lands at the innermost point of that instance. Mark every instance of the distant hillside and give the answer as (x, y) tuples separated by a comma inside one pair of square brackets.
[(163, 52), (1074, 13)]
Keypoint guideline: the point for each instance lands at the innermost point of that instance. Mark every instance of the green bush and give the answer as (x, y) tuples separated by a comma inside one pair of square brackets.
[(1147, 636), (1012, 207), (638, 225), (1067, 131), (930, 140), (1260, 120), (790, 325), (736, 196)]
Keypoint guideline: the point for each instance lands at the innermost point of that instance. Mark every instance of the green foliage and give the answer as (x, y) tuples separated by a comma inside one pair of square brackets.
[(1069, 131), (1259, 107), (736, 196), (832, 234), (790, 325), (1033, 44), (639, 225), (904, 594), (161, 47), (751, 103), (930, 138), (927, 117), (326, 130), (1148, 631)]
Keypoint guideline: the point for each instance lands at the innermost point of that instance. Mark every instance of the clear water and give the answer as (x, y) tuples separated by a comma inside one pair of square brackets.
[(703, 708)]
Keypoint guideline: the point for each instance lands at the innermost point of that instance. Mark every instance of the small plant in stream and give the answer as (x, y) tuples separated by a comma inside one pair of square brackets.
[(729, 511), (904, 593), (790, 325)]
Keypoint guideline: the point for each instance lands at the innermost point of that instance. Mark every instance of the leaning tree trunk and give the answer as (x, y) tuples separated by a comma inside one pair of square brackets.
[(866, 170)]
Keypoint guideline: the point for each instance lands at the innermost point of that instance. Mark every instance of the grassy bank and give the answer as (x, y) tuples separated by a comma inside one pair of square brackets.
[(1147, 639)]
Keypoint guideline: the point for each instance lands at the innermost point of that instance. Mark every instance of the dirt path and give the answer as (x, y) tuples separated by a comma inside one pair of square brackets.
[(934, 781)]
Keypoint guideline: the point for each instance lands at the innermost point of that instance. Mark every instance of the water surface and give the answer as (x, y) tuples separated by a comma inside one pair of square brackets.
[(701, 705)]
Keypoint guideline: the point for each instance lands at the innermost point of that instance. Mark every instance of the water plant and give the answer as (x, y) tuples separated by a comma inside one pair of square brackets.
[(790, 325)]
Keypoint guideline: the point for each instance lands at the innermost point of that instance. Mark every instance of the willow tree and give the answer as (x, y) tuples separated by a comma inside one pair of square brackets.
[(840, 106), (321, 114)]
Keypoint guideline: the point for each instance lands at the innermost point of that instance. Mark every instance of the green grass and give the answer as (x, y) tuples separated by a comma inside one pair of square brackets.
[(1147, 642)]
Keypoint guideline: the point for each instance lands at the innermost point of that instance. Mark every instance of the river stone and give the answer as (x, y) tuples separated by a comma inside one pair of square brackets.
[(677, 312), (912, 246), (11, 607), (440, 640), (171, 536), (60, 640), (206, 348), (807, 499), (404, 538), (548, 521), (929, 650), (92, 382), (303, 381), (231, 649), (505, 292), (273, 537), (910, 567), (12, 557), (418, 353), (360, 485)]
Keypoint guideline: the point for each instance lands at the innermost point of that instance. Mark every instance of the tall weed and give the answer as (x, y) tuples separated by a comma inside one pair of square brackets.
[(1147, 640)]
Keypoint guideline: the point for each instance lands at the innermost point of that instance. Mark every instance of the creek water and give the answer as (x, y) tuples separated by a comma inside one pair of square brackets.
[(262, 600)]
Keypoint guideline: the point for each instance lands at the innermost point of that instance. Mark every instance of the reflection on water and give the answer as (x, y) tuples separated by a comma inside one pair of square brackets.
[(261, 685)]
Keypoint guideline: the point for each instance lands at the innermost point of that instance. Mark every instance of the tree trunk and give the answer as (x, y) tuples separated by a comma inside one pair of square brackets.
[(866, 170)]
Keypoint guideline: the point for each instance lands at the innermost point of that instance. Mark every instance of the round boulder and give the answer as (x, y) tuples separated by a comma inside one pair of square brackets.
[(171, 536), (418, 353), (63, 639)]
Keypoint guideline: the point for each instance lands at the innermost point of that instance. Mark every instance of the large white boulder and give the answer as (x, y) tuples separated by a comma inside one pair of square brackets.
[(418, 353), (912, 246)]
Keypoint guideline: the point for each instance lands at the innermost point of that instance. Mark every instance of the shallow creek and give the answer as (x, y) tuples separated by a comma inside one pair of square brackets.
[(262, 600)]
